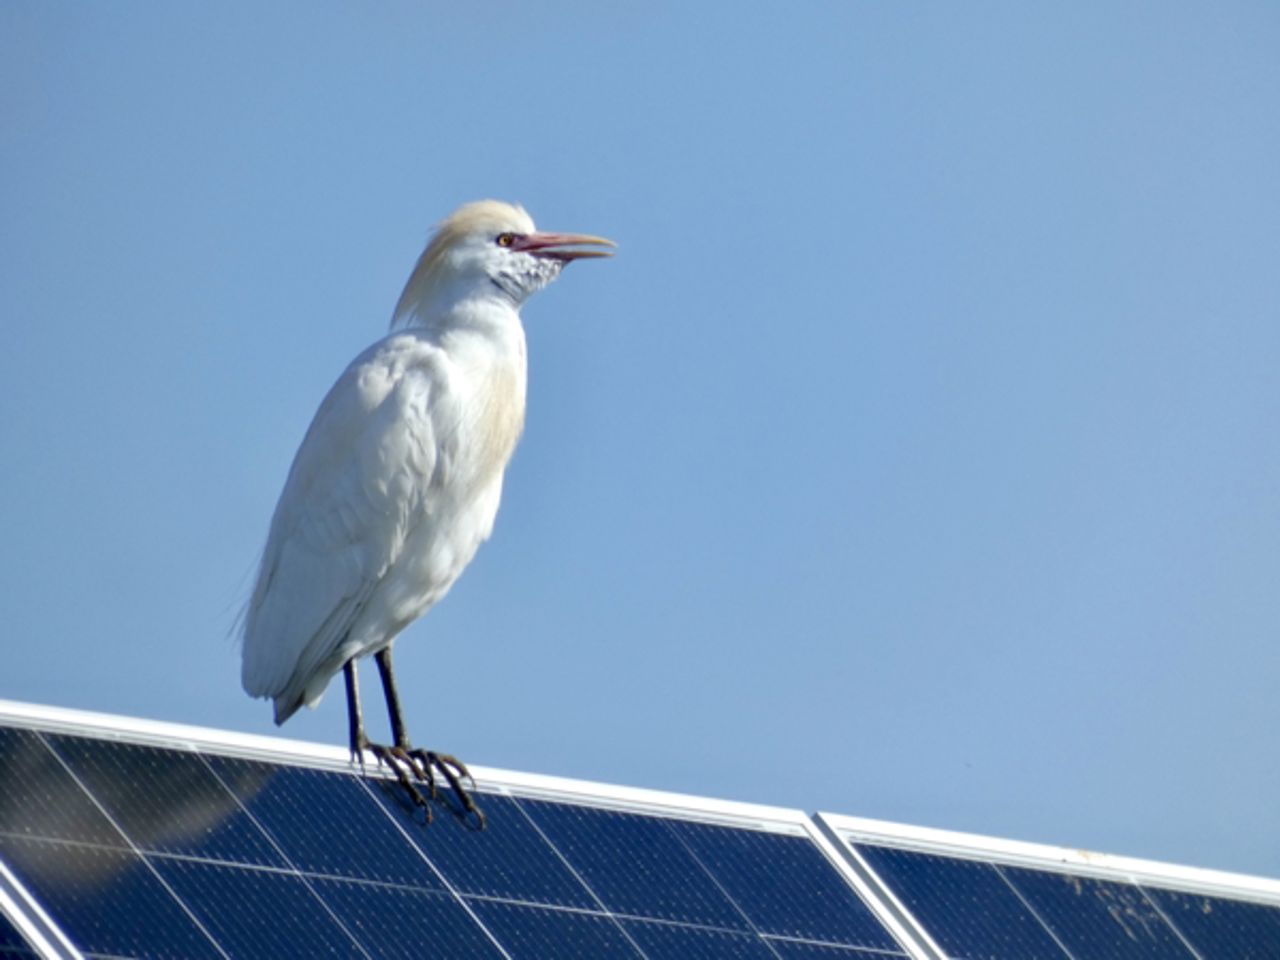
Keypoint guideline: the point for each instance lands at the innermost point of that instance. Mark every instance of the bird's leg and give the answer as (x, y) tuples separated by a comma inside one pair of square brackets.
[(397, 760), (427, 761), (355, 716), (392, 692)]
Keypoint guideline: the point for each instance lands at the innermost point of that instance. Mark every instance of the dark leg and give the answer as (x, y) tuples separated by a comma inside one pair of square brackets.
[(395, 758), (355, 718), (427, 761), (392, 693)]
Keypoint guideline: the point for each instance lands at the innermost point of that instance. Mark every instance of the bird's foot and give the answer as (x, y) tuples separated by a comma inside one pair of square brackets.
[(410, 764), (454, 771), (406, 770)]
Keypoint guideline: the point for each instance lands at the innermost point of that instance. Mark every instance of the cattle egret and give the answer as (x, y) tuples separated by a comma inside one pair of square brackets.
[(397, 481)]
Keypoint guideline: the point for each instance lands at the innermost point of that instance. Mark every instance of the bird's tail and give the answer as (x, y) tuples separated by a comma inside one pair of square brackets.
[(287, 706)]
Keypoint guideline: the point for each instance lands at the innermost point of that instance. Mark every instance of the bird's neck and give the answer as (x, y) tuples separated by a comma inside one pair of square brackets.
[(477, 325), (439, 306)]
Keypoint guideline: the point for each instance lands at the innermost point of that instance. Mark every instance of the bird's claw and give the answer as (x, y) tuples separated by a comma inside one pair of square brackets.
[(422, 765), (401, 764), (357, 756), (454, 771)]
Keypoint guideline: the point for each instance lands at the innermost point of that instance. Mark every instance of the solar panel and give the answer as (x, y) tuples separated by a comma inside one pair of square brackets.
[(129, 839), (124, 838), (977, 898)]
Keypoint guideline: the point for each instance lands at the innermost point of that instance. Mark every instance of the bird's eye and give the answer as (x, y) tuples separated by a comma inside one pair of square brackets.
[(506, 239)]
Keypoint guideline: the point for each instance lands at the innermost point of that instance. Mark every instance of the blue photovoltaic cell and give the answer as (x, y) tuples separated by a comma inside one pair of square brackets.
[(393, 923), (965, 905), (509, 859), (257, 912), (536, 933), (664, 941), (1098, 919), (327, 823), (1220, 928), (785, 885), (39, 798), (635, 864), (107, 901), (166, 801)]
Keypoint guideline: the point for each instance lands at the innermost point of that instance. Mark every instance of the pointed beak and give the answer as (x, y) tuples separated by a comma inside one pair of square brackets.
[(563, 246)]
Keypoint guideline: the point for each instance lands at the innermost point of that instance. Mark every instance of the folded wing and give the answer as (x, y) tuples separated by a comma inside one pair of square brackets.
[(362, 480)]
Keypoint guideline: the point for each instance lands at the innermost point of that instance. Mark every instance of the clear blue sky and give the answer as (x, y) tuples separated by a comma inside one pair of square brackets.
[(916, 458)]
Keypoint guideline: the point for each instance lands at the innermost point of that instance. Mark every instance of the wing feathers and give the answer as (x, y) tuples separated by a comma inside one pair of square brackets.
[(361, 481)]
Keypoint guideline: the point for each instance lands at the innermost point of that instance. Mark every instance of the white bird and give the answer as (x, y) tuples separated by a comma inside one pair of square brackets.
[(397, 481)]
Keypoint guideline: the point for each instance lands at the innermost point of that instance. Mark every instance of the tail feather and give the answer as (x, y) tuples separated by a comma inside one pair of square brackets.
[(287, 706)]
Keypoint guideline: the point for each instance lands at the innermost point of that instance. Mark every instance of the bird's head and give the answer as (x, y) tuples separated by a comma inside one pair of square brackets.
[(489, 248)]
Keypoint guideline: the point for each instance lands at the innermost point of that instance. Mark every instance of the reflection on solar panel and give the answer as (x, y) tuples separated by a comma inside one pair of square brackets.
[(129, 839), (978, 898)]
